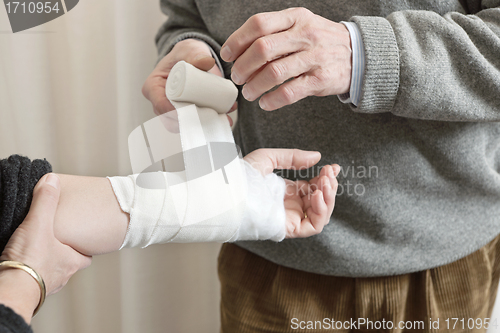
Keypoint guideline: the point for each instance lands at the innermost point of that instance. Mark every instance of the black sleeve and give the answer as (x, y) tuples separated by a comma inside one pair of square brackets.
[(11, 322), (18, 177)]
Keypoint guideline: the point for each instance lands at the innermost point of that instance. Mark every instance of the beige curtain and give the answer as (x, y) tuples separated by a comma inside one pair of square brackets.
[(70, 91)]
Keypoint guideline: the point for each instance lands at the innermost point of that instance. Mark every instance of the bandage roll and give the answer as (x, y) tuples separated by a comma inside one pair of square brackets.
[(188, 84)]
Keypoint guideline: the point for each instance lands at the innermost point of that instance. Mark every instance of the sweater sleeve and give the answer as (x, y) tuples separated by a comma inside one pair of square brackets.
[(11, 322), (422, 65), (18, 177), (184, 21)]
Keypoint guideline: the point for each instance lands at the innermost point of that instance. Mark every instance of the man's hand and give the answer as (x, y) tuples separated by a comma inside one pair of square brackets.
[(271, 48), (308, 205), (192, 51)]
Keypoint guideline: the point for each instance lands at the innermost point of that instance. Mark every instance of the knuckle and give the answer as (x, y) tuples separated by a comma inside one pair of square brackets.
[(288, 95), (296, 152), (264, 47), (322, 57), (259, 23), (302, 12), (237, 42), (317, 83), (311, 34), (322, 76), (277, 72)]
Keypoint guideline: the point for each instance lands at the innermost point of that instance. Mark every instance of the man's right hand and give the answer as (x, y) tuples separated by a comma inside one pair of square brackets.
[(192, 51)]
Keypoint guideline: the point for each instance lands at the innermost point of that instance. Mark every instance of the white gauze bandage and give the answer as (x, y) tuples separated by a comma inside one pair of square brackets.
[(190, 183)]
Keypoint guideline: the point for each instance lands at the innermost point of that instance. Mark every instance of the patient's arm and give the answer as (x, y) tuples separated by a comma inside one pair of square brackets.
[(88, 217), (90, 220)]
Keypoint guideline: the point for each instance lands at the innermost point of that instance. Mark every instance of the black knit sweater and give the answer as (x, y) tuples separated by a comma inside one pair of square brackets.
[(18, 177), (11, 322)]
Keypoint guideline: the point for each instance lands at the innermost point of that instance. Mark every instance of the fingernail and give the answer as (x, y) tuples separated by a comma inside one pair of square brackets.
[(246, 93), (262, 104), (52, 180), (235, 78), (226, 53)]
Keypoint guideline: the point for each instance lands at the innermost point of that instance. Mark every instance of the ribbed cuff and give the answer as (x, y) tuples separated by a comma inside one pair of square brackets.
[(381, 78)]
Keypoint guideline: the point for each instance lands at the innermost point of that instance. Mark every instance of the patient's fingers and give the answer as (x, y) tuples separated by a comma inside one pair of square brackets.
[(331, 194), (319, 207), (316, 212), (296, 189), (266, 160), (313, 224)]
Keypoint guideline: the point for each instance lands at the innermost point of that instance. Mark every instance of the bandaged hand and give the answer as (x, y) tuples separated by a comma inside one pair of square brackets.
[(308, 205), (90, 219)]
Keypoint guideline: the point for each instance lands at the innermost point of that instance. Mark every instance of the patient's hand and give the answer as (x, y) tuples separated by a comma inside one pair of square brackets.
[(308, 205)]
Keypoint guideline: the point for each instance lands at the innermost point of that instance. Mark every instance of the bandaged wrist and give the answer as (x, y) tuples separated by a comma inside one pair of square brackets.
[(196, 187), (153, 217)]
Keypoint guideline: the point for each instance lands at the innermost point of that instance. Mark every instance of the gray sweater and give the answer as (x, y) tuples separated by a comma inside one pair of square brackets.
[(420, 155)]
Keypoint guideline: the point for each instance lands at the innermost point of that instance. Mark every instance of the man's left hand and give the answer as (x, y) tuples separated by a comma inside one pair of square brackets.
[(271, 48)]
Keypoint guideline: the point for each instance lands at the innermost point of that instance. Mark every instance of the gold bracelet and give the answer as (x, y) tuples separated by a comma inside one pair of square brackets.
[(30, 271)]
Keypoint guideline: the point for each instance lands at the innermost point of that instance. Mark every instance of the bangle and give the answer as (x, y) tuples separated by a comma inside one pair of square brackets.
[(30, 271)]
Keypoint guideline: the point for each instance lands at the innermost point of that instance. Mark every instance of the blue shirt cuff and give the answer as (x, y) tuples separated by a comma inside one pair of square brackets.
[(358, 65)]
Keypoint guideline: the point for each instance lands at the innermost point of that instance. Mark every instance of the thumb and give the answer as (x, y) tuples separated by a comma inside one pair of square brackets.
[(266, 160), (201, 60), (45, 199)]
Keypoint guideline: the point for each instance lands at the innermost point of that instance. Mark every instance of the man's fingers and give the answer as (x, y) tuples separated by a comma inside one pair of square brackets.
[(289, 93), (45, 200), (154, 91), (274, 74), (202, 61), (263, 50), (257, 26), (170, 121), (192, 51), (266, 160)]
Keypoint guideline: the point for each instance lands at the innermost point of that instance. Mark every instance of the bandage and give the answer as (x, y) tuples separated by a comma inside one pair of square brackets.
[(190, 183)]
